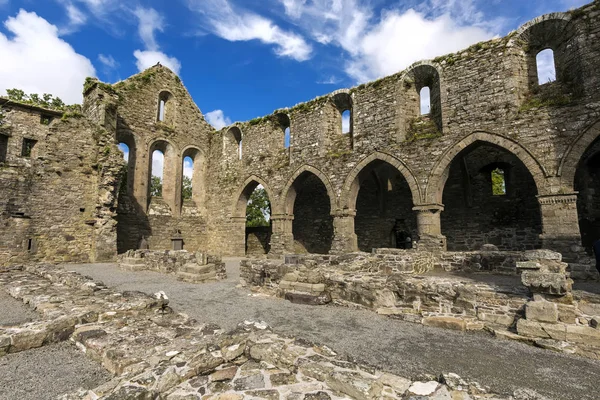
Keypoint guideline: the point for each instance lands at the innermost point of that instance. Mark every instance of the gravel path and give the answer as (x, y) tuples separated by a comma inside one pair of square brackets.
[(14, 312), (48, 372), (410, 350)]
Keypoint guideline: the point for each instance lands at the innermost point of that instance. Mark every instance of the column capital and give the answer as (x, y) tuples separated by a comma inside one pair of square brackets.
[(343, 213), (282, 217), (561, 198), (432, 208)]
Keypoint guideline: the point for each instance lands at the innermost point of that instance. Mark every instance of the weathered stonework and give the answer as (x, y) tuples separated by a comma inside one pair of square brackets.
[(190, 267), (450, 290), (397, 179)]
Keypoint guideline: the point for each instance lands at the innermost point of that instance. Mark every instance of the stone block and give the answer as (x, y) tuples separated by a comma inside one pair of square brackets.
[(354, 384), (454, 323), (583, 334), (595, 322), (541, 330), (27, 339), (541, 311), (308, 299), (546, 282)]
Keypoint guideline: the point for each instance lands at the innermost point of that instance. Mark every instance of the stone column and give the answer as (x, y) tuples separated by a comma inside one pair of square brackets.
[(282, 238), (430, 227), (344, 237), (237, 237), (178, 181), (141, 181), (560, 224)]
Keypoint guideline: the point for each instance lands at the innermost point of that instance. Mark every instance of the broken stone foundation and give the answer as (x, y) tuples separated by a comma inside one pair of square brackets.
[(189, 267), (524, 296), (154, 352)]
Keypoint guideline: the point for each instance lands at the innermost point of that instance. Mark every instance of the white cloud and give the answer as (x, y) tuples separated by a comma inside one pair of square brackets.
[(147, 58), (217, 119), (158, 162), (108, 61), (546, 68), (332, 80), (397, 38), (76, 18), (149, 21), (188, 167), (37, 60), (240, 25)]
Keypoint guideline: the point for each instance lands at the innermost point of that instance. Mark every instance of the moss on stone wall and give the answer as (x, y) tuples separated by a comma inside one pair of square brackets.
[(422, 127)]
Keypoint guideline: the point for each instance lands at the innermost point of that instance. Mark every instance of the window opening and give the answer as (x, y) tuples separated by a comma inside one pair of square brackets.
[(425, 96), (161, 110), (546, 68), (3, 148), (28, 147), (125, 150), (156, 180), (187, 189), (46, 119), (498, 182), (346, 121), (240, 149), (287, 138)]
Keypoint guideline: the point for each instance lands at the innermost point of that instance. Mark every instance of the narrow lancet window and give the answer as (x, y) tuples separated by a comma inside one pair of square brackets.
[(425, 95), (546, 68)]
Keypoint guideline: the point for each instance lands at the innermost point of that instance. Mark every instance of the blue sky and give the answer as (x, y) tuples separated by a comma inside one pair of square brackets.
[(242, 58)]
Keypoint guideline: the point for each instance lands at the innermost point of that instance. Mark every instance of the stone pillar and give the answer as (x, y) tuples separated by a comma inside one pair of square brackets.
[(178, 181), (282, 238), (172, 165), (430, 227), (141, 181), (237, 237), (560, 224), (344, 237)]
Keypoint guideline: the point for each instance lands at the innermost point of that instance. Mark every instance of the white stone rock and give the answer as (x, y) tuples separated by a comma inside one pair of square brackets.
[(423, 388)]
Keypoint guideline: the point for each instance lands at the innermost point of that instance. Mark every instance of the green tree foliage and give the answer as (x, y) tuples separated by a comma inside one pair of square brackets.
[(46, 100), (155, 186), (186, 190), (498, 182), (257, 209)]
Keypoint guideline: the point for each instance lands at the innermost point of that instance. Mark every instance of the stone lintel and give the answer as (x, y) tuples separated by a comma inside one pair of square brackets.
[(432, 208), (548, 199)]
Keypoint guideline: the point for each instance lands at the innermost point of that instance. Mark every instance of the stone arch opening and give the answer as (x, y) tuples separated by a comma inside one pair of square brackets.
[(421, 102), (587, 184), (284, 124), (232, 143), (162, 182), (166, 107), (383, 202), (344, 105), (474, 215), (308, 201), (193, 191), (554, 36), (253, 206), (126, 143)]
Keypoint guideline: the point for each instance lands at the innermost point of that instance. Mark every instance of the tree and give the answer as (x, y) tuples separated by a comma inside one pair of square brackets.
[(498, 182), (186, 190), (155, 186), (258, 209)]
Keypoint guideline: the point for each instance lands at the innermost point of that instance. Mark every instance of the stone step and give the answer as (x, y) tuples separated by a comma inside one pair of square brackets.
[(197, 278), (132, 267), (197, 269)]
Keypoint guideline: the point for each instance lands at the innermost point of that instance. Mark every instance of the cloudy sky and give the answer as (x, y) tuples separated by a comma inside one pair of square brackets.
[(241, 58)]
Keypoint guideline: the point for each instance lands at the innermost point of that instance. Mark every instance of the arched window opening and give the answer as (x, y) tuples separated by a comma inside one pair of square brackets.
[(164, 107), (255, 205), (498, 182), (587, 186), (384, 208), (161, 110), (125, 150), (240, 151), (233, 140), (425, 96), (187, 187), (346, 122), (490, 197), (287, 137), (546, 67), (312, 228), (156, 179), (258, 209)]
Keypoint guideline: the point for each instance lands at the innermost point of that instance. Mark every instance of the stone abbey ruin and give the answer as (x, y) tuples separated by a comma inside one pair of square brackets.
[(409, 214)]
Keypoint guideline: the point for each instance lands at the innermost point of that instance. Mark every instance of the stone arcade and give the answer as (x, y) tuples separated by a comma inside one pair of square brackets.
[(65, 197)]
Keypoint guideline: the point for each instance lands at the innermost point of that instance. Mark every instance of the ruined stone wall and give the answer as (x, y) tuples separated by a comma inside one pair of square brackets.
[(486, 95), (57, 200)]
